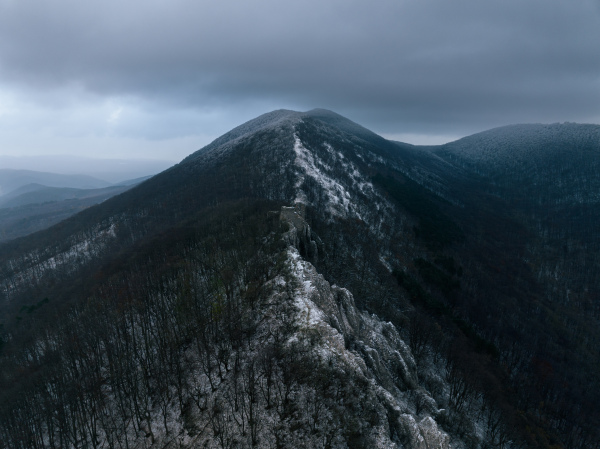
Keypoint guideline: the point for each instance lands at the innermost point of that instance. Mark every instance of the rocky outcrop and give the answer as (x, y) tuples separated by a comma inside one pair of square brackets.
[(366, 349), (300, 235), (424, 434)]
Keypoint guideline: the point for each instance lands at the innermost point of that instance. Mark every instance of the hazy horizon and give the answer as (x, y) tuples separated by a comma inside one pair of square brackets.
[(110, 170)]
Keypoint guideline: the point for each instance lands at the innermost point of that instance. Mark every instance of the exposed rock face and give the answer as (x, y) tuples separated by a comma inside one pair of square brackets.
[(301, 237), (424, 434), (366, 349)]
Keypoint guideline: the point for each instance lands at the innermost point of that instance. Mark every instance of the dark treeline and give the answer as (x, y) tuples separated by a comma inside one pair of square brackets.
[(92, 375), (521, 288), (184, 334), (530, 288), (528, 207), (478, 303)]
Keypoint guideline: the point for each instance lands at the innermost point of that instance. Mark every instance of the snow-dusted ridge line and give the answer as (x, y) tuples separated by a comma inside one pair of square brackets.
[(369, 350), (346, 191), (269, 120), (36, 264), (515, 144), (338, 197), (330, 311)]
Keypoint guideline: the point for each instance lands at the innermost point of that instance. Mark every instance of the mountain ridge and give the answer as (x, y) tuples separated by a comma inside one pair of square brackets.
[(269, 248)]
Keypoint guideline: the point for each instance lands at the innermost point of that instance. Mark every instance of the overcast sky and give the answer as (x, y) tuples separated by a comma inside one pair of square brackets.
[(161, 78)]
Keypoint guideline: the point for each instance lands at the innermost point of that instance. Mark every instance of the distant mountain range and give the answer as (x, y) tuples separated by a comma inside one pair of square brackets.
[(304, 282), (11, 180), (111, 170), (31, 201)]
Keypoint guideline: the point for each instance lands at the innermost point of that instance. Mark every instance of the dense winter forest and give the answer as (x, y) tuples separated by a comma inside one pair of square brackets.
[(303, 282)]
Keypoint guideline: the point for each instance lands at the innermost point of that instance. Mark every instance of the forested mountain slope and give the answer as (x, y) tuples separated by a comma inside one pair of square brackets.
[(303, 282), (34, 207)]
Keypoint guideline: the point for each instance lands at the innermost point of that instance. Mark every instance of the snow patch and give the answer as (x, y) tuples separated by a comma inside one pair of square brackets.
[(338, 197), (34, 265)]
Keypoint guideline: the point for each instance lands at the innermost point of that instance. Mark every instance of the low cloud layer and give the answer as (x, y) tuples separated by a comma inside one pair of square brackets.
[(162, 70)]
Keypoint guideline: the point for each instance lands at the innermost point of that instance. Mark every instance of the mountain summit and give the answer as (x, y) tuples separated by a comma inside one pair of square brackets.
[(302, 281)]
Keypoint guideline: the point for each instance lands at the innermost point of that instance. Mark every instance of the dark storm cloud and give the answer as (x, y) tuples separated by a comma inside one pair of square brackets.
[(423, 66)]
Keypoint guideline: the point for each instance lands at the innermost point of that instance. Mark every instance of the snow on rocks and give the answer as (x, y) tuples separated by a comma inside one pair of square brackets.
[(363, 346), (311, 287), (424, 434), (377, 353), (333, 177), (337, 195)]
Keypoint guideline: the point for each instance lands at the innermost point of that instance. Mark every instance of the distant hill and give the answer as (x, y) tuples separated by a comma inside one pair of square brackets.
[(111, 170), (11, 180), (38, 194), (34, 207), (131, 182)]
